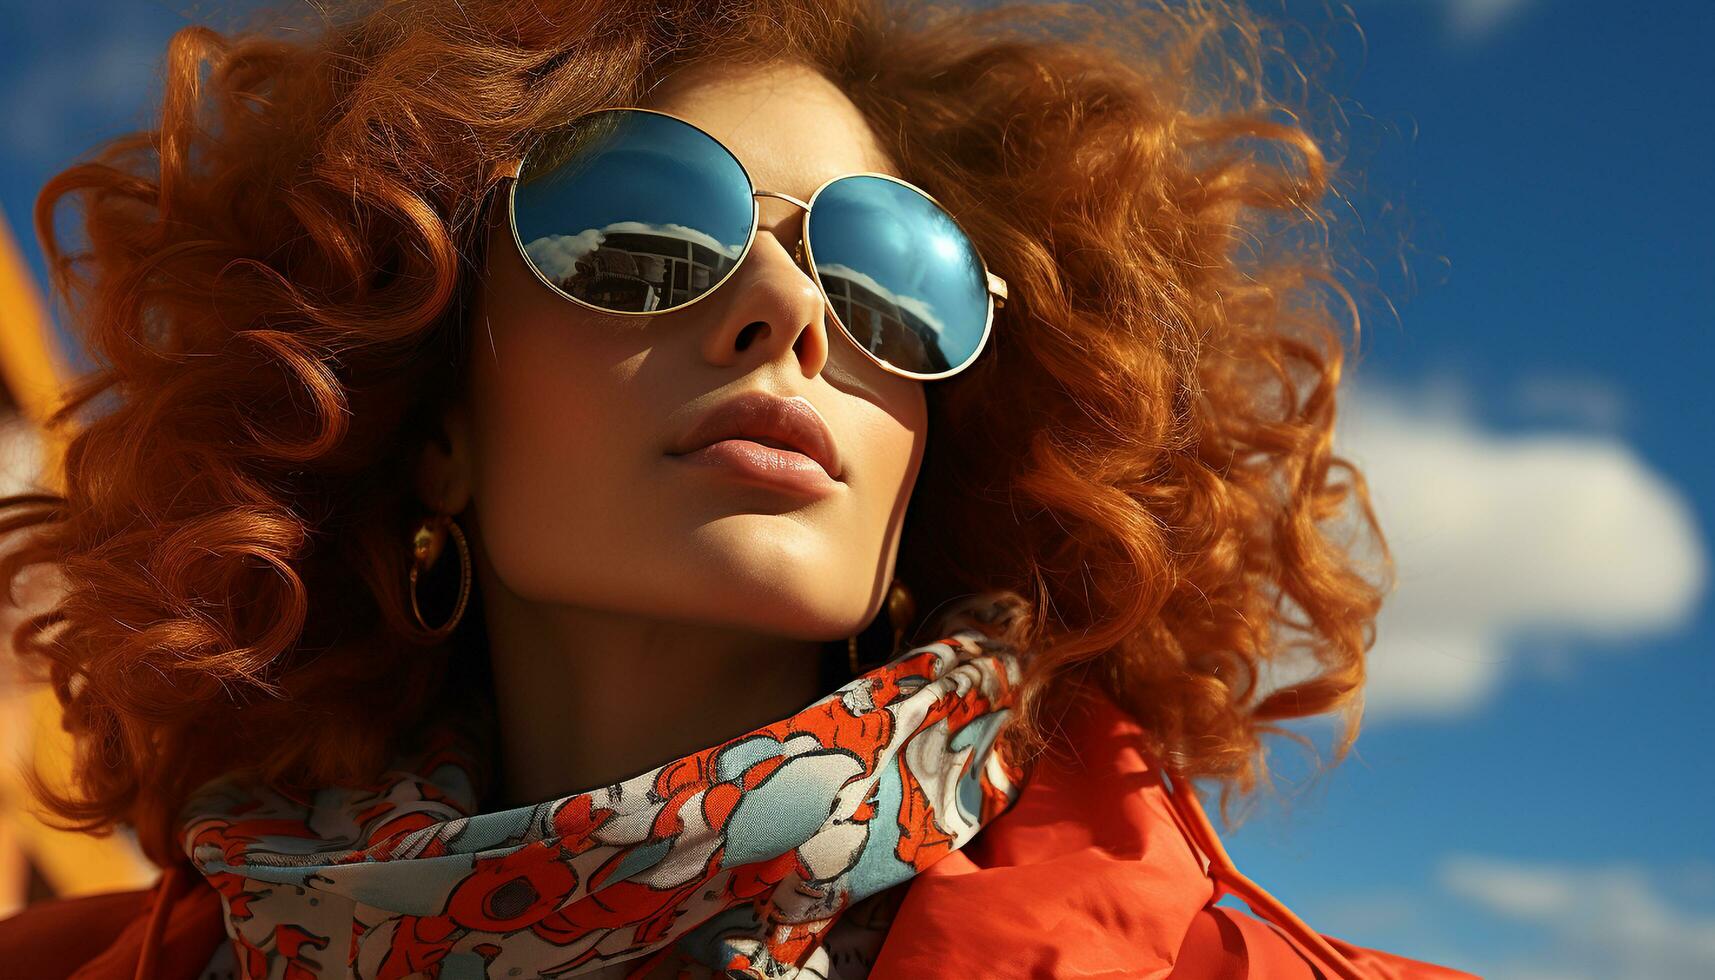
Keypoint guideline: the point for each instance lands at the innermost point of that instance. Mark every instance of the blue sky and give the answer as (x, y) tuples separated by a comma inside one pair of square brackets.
[(1530, 797)]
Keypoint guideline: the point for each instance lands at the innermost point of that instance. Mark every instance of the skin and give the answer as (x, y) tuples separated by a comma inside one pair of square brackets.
[(640, 608)]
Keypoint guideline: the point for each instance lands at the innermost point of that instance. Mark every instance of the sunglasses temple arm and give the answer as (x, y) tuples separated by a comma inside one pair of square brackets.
[(997, 286)]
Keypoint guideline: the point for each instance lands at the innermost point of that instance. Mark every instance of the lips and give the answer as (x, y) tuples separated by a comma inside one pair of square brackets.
[(784, 423)]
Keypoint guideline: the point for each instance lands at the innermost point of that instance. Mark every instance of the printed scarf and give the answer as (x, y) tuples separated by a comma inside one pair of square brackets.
[(736, 860)]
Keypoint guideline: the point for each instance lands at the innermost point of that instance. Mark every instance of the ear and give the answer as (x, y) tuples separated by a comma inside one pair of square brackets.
[(444, 477)]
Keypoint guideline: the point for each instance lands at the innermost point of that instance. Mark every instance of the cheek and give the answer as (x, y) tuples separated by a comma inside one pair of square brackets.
[(535, 389), (890, 444), (884, 435), (545, 443)]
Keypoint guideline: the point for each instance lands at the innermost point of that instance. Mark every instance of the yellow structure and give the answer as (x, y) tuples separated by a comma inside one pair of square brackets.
[(34, 373)]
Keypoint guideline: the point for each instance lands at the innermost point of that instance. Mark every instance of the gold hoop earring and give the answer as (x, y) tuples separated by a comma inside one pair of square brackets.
[(426, 546), (901, 609)]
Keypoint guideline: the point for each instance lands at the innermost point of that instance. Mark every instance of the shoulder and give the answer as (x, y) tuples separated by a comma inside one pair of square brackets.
[(1087, 871), (176, 925), (55, 937), (1096, 870)]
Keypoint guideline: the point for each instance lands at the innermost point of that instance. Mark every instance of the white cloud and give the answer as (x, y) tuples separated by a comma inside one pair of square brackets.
[(919, 308), (1613, 921), (557, 255), (1470, 22), (1589, 401), (1569, 536), (1474, 21)]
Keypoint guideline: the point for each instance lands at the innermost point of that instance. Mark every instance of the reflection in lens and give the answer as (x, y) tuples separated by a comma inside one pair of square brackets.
[(632, 211), (900, 273)]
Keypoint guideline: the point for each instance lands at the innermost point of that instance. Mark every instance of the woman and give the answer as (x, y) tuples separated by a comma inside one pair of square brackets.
[(520, 542)]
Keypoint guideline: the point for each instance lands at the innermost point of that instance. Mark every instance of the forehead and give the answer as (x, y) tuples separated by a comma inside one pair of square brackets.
[(790, 127)]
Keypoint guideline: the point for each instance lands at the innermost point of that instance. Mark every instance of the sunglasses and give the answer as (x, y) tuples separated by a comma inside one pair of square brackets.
[(638, 212)]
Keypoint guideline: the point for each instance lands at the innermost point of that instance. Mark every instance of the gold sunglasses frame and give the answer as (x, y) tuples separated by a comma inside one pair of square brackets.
[(802, 253)]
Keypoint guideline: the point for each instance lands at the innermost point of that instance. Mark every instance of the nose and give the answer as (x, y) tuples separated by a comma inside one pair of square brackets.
[(775, 304)]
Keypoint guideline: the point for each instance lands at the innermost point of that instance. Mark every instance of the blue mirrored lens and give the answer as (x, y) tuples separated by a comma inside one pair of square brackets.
[(632, 211), (901, 275)]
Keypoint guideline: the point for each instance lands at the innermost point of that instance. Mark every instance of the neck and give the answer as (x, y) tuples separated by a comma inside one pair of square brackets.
[(588, 697)]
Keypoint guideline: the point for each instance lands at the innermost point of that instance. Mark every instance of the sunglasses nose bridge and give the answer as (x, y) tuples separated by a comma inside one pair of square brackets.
[(784, 197), (798, 250)]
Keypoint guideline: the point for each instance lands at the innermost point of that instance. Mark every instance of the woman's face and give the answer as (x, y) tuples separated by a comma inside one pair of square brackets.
[(562, 445)]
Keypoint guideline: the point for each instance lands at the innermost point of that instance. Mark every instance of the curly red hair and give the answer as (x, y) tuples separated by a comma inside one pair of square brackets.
[(274, 288)]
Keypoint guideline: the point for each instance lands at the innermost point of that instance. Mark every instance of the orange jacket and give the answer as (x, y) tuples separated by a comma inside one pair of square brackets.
[(1101, 870), (1106, 869)]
